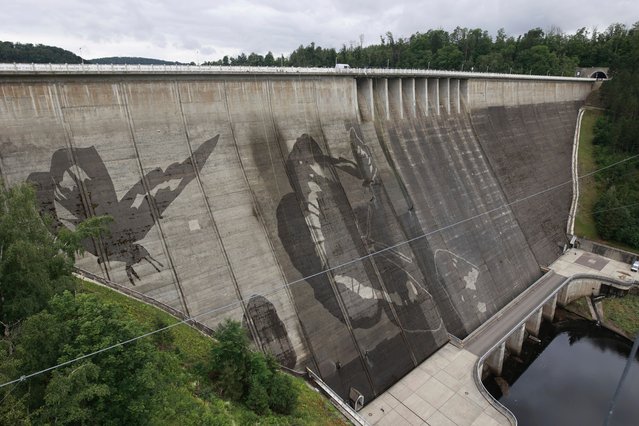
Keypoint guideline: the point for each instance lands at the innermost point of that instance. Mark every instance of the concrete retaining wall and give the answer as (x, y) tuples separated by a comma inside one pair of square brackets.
[(578, 288), (607, 251)]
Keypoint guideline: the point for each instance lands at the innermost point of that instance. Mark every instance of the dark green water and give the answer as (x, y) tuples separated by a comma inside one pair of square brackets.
[(573, 380)]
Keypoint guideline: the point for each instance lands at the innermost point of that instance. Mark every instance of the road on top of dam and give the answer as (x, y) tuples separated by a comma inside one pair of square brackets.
[(443, 390), (486, 336)]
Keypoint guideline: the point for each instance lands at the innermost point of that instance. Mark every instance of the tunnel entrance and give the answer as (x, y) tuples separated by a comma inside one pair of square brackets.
[(599, 75)]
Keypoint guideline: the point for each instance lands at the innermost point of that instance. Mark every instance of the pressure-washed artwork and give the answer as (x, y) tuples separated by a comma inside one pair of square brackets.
[(79, 185)]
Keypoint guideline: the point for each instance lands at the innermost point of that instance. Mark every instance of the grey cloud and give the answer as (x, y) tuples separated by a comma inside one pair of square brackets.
[(185, 27)]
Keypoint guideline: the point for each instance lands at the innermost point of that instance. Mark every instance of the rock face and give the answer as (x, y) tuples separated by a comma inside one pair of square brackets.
[(351, 229)]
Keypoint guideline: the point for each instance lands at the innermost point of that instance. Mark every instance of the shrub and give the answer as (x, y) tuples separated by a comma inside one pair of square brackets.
[(249, 377), (283, 395), (257, 398)]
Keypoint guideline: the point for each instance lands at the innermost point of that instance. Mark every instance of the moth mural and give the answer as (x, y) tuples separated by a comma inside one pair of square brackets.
[(321, 229), (78, 185), (310, 239)]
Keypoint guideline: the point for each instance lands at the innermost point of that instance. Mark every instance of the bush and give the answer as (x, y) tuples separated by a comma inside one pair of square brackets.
[(249, 377), (257, 398), (283, 396), (231, 361)]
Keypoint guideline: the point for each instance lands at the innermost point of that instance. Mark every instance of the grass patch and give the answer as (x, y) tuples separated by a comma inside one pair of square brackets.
[(624, 313), (313, 409), (192, 345), (588, 187), (194, 349)]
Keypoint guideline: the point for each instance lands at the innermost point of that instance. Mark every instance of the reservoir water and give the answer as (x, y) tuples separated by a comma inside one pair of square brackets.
[(573, 380)]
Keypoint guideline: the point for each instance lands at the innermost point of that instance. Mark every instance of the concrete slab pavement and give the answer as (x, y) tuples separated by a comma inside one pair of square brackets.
[(576, 261), (440, 391)]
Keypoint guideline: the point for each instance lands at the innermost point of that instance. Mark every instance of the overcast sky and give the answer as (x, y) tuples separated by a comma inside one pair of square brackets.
[(199, 30)]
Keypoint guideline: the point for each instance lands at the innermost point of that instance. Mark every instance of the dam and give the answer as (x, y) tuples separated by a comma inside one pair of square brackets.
[(353, 220)]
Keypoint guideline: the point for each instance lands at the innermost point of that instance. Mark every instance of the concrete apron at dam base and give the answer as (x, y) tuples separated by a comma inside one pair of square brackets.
[(441, 391), (446, 389)]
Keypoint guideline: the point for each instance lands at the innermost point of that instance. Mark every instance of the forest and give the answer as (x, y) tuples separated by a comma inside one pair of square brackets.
[(131, 60), (616, 137), (35, 53), (535, 52)]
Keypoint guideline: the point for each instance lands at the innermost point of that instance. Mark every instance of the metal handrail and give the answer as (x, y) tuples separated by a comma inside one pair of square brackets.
[(343, 407), (15, 68)]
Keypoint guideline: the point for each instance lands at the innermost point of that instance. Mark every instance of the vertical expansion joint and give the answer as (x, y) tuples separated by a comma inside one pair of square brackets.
[(153, 207), (84, 193), (457, 90), (227, 260)]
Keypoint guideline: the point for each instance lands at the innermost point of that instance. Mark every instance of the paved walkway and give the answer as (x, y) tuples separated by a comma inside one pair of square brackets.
[(442, 391), (576, 261)]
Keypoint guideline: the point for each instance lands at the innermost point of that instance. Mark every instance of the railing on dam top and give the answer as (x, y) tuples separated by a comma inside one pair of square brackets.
[(27, 69)]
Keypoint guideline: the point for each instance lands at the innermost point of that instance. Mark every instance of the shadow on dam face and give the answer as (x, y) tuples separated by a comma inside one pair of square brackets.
[(225, 189)]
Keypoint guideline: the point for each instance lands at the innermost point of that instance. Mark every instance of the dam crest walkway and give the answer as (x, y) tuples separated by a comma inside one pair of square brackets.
[(74, 69)]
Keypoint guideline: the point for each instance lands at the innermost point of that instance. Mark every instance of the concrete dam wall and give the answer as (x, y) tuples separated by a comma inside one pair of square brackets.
[(231, 195)]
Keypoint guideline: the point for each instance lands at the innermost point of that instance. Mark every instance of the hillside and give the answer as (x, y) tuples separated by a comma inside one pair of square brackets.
[(36, 53), (132, 60), (193, 351)]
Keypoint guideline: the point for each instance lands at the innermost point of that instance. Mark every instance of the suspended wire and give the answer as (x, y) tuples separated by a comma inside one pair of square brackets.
[(297, 281), (616, 208), (21, 379), (631, 357), (627, 172)]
